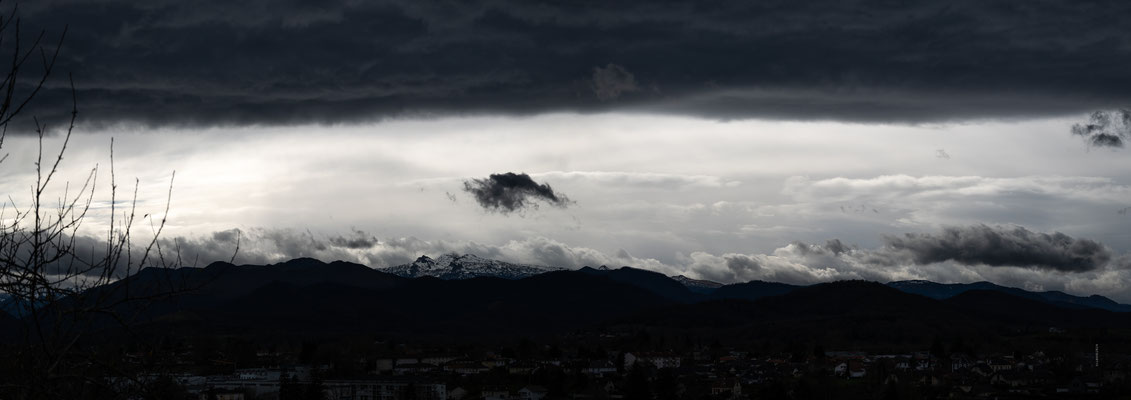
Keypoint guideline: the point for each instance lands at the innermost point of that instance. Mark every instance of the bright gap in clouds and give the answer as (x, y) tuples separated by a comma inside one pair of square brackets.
[(673, 194)]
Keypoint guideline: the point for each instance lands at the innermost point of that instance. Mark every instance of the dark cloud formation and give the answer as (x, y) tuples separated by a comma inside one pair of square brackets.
[(357, 240), (280, 62), (511, 192), (837, 247), (1002, 246), (1105, 128)]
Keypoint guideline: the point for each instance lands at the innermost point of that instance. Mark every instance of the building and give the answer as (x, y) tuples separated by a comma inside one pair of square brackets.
[(660, 360), (532, 392)]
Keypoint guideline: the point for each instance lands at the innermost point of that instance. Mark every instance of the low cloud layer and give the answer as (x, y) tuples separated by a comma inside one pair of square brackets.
[(1040, 261), (253, 62), (1008, 256), (510, 192)]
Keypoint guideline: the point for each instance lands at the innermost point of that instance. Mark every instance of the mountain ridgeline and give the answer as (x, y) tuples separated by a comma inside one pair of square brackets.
[(451, 266), (468, 296)]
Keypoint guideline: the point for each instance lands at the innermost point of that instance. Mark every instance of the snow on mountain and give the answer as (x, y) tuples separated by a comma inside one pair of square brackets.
[(450, 266), (696, 283)]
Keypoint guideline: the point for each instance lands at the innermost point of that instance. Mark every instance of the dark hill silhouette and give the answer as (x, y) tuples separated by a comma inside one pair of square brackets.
[(553, 302), (306, 296), (942, 291), (752, 290), (1009, 309), (849, 298), (156, 293), (845, 299), (652, 281), (855, 314)]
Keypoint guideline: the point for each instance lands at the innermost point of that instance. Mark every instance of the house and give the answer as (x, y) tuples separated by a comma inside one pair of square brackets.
[(930, 380), (841, 369), (960, 362), (611, 389), (522, 368), (258, 374), (532, 392), (902, 363), (385, 389), (297, 372), (496, 393), (493, 362), (999, 364), (728, 387), (599, 367), (457, 394), (221, 394), (438, 360), (660, 360), (465, 367), (982, 369), (1009, 378), (413, 369)]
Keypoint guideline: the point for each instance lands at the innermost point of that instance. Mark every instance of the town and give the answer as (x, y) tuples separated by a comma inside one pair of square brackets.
[(593, 367)]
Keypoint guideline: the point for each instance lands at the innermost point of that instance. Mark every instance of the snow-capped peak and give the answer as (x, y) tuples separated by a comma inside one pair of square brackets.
[(696, 283), (452, 266)]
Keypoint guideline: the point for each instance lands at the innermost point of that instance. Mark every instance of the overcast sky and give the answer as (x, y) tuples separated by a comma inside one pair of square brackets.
[(881, 140)]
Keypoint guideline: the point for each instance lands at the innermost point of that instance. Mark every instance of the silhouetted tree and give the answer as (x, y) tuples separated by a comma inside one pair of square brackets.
[(62, 285)]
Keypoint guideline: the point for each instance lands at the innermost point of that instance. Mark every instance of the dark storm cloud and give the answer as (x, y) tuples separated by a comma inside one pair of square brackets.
[(281, 62), (511, 192), (357, 240), (1001, 246), (837, 247), (1105, 128)]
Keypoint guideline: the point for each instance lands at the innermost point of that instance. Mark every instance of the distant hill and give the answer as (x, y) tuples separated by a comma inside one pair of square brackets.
[(547, 303), (1007, 308), (860, 314), (942, 291), (652, 281), (848, 313), (752, 290), (170, 291)]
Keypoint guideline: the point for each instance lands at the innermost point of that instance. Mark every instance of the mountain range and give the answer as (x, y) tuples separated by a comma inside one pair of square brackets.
[(451, 266), (1057, 298), (468, 296)]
